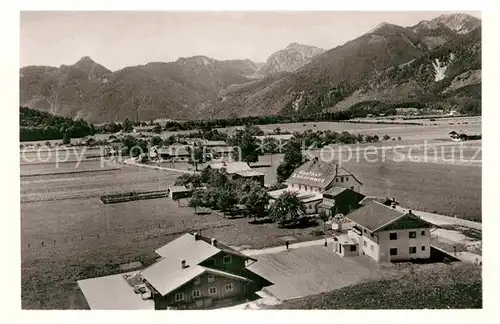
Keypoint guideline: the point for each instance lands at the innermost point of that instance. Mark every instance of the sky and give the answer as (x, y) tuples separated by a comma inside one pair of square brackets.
[(120, 39)]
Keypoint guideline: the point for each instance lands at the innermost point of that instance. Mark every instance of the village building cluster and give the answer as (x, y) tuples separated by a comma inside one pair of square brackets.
[(198, 272)]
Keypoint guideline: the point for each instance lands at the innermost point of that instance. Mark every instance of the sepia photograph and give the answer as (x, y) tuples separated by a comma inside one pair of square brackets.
[(250, 160)]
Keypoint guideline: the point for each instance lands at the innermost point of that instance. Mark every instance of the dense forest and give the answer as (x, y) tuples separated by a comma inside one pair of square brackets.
[(36, 125)]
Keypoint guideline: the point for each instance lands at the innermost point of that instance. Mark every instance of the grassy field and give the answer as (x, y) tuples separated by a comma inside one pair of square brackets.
[(452, 286), (68, 234), (436, 186)]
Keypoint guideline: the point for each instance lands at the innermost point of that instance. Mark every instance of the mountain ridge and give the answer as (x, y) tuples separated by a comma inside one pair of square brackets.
[(298, 79)]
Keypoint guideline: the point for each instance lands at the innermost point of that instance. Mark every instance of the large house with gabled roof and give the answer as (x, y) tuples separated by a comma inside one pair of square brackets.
[(318, 176), (385, 234), (196, 272), (314, 178)]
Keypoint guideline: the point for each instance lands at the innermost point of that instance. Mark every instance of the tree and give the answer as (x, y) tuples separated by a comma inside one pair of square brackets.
[(324, 217), (339, 219), (157, 129), (386, 137), (66, 139), (189, 180), (399, 138), (254, 197), (156, 141), (287, 209), (197, 200), (247, 148), (127, 126), (196, 156), (270, 145), (292, 159)]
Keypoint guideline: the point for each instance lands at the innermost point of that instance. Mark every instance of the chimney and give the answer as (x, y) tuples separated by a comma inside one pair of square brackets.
[(393, 200), (214, 242), (183, 264), (196, 236), (393, 205), (409, 212)]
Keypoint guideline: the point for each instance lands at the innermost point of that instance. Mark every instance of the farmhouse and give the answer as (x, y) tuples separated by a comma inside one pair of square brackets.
[(314, 178), (319, 176), (174, 151), (192, 272), (239, 170), (385, 234), (198, 272)]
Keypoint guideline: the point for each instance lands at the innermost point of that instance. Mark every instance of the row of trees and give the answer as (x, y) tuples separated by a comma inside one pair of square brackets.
[(216, 190)]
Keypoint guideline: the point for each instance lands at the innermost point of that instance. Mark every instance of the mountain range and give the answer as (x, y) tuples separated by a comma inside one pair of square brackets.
[(435, 63)]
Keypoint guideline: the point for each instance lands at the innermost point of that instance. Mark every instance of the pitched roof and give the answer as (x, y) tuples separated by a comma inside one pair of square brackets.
[(334, 191), (165, 279), (231, 167), (373, 215), (159, 275), (317, 173), (187, 248), (249, 173), (167, 274), (174, 150)]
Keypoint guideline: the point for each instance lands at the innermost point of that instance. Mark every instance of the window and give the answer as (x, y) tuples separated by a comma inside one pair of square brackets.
[(371, 234), (196, 294), (341, 179), (212, 290), (393, 236), (197, 281), (423, 247), (226, 259), (211, 278), (228, 287), (393, 251), (413, 234), (336, 179), (353, 248), (364, 243), (179, 296), (413, 249), (423, 233)]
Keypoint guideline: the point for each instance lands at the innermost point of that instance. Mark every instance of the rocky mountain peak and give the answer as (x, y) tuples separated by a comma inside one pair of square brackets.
[(460, 23)]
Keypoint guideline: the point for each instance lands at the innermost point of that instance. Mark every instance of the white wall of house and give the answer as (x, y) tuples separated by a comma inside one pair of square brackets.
[(421, 243), (346, 182), (369, 246)]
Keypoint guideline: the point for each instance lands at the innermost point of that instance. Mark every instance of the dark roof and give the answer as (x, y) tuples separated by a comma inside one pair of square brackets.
[(374, 215), (337, 192), (334, 191)]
